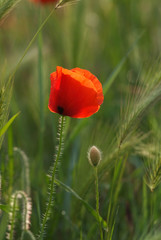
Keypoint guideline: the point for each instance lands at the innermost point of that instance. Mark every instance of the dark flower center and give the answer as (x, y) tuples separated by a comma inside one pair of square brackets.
[(60, 110)]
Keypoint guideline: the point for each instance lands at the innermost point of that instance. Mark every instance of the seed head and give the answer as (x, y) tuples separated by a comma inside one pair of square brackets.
[(94, 156)]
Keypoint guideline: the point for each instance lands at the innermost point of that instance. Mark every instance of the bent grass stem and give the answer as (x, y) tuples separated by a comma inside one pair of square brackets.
[(51, 184)]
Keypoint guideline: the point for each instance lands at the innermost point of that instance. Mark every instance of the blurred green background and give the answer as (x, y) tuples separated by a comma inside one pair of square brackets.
[(94, 35)]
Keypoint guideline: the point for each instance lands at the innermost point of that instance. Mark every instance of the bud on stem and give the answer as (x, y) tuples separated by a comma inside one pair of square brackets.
[(94, 156)]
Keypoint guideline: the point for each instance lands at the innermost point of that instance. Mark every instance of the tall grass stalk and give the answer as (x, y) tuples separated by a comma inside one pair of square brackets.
[(109, 162), (11, 160), (0, 191), (97, 200), (5, 96), (152, 207), (88, 207), (115, 189), (50, 201), (152, 164), (145, 203)]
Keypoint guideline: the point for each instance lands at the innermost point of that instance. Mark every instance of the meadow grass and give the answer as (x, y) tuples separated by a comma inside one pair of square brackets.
[(119, 42)]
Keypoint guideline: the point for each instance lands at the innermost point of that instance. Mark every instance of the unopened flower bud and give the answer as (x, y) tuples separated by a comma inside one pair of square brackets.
[(94, 156)]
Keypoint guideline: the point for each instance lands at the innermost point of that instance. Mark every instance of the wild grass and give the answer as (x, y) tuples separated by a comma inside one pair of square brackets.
[(119, 42), (6, 7), (152, 167)]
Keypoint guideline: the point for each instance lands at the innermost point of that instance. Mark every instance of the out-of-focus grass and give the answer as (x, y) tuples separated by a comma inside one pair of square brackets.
[(94, 35)]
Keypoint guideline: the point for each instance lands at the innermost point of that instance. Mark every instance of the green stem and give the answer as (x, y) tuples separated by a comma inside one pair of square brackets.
[(97, 201), (51, 186), (152, 207), (11, 160), (145, 205)]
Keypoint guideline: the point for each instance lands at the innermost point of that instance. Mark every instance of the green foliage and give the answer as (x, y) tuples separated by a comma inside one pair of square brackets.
[(6, 126), (87, 206), (5, 96), (27, 235), (4, 208), (145, 94), (153, 166), (154, 234), (6, 6), (103, 37), (118, 68)]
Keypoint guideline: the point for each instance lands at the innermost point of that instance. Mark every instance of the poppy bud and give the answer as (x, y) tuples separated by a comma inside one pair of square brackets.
[(94, 156)]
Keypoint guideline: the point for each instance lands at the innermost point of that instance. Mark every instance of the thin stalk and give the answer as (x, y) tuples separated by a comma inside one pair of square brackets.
[(152, 208), (41, 95), (97, 200), (145, 204), (11, 160), (109, 215), (52, 179), (115, 188)]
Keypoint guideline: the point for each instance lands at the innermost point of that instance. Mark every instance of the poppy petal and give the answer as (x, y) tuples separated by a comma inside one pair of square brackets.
[(75, 93)]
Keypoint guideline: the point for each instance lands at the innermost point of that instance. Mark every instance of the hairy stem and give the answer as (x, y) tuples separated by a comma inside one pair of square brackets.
[(13, 217), (51, 184)]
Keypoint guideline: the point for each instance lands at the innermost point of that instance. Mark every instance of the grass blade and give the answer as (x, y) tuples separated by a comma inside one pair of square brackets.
[(87, 206), (118, 68), (4, 208), (6, 7), (3, 225), (6, 126)]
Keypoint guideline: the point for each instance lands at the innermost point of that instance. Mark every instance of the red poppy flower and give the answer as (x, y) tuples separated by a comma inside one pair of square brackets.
[(76, 93)]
